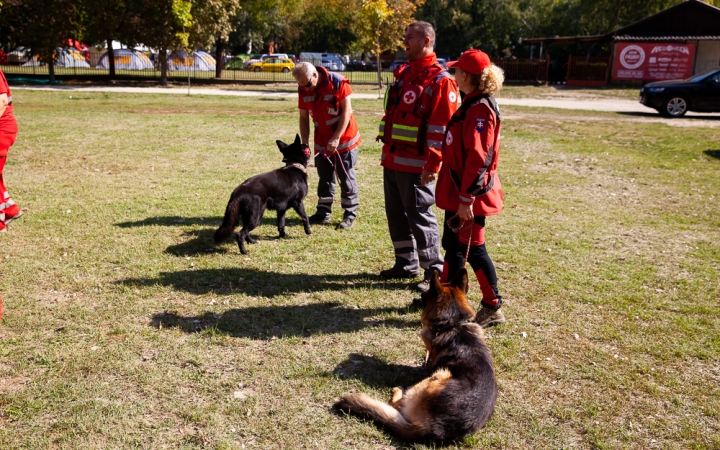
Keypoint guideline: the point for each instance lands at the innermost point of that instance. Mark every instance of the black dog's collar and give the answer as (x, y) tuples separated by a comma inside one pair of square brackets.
[(297, 166)]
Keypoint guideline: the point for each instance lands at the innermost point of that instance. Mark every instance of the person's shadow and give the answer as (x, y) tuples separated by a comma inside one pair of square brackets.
[(268, 322)]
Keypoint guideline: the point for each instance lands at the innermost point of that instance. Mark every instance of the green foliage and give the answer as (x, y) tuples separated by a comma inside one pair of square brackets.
[(326, 26)]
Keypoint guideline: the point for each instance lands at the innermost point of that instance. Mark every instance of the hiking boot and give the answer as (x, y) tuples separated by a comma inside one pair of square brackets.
[(423, 286), (397, 272), (346, 223), (487, 317), (16, 216), (319, 218)]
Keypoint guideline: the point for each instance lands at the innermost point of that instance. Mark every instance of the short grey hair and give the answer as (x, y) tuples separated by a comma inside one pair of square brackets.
[(304, 68), (426, 29)]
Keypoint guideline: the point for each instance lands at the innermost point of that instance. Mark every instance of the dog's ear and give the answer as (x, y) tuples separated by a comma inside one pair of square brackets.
[(461, 280), (297, 139), (435, 284), (281, 145)]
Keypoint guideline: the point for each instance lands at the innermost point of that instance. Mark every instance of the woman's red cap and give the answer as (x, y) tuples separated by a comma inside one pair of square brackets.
[(471, 61)]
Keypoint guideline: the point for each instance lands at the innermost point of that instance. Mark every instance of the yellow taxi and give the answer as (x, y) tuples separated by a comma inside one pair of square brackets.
[(273, 65)]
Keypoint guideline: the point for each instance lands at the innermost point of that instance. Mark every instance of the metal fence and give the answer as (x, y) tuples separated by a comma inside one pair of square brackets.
[(516, 70), (524, 69), (588, 70)]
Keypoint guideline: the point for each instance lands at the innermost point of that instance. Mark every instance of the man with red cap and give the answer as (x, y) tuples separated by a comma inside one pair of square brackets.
[(468, 187), (8, 131), (417, 108)]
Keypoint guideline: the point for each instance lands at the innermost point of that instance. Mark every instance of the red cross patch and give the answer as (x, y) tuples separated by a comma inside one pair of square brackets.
[(409, 97)]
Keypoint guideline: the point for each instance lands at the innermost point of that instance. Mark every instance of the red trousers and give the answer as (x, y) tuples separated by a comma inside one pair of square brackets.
[(8, 208)]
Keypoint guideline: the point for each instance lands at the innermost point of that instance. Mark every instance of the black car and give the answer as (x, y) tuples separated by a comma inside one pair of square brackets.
[(700, 93)]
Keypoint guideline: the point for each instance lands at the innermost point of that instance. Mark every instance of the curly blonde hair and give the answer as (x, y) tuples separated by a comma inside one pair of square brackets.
[(489, 81)]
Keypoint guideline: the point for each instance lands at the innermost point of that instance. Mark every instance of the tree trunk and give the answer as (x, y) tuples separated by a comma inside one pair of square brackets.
[(377, 49), (51, 71), (111, 58), (219, 58), (163, 66)]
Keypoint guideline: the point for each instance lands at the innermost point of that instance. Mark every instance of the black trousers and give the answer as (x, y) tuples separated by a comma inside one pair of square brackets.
[(478, 259)]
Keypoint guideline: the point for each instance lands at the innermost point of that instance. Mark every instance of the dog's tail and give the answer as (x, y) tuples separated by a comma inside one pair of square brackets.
[(231, 219), (382, 414)]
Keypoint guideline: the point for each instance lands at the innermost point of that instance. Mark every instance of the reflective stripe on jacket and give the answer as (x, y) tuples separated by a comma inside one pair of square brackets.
[(417, 107)]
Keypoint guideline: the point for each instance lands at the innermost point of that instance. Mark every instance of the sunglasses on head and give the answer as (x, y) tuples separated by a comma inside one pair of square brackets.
[(309, 83)]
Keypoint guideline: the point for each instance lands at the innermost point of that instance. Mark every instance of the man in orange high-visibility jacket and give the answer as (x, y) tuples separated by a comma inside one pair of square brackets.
[(325, 97), (417, 107), (8, 131)]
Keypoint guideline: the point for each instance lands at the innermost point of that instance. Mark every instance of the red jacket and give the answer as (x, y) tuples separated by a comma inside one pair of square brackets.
[(323, 104), (470, 158), (417, 107), (8, 125)]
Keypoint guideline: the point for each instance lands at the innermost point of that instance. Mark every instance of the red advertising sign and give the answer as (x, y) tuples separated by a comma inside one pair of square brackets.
[(649, 62)]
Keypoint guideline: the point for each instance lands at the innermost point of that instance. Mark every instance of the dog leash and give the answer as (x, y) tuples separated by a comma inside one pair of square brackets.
[(463, 226), (324, 154)]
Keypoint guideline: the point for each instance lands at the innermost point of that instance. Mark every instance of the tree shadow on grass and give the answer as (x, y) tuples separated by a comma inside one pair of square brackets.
[(225, 281), (377, 373), (202, 240), (713, 153), (267, 322)]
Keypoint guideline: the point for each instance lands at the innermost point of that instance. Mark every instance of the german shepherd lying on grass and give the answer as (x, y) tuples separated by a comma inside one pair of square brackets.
[(280, 189), (459, 397)]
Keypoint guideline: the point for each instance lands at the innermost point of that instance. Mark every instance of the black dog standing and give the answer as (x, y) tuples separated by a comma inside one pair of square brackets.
[(280, 189)]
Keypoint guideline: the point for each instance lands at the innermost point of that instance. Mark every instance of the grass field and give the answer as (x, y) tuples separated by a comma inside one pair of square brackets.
[(125, 327)]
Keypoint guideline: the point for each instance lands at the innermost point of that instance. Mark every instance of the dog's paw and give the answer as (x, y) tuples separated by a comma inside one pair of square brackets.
[(282, 233), (308, 230)]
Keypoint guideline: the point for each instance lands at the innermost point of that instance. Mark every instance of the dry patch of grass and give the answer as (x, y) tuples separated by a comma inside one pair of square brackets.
[(126, 327)]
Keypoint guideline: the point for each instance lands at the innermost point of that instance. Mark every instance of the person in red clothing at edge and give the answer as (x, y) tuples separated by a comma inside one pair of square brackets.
[(8, 131), (468, 187), (325, 96), (417, 107)]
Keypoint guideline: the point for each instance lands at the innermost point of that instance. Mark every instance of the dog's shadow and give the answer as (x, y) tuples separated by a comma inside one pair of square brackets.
[(268, 322), (202, 239), (376, 373)]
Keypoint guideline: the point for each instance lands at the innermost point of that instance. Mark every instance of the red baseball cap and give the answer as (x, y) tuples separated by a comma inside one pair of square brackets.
[(471, 61)]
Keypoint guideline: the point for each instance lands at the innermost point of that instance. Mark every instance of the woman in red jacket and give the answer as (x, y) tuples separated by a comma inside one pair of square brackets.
[(8, 131), (468, 187)]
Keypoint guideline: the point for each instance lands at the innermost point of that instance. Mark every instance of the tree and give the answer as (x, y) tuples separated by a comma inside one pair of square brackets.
[(264, 19), (326, 26), (213, 21), (105, 21), (42, 25), (162, 24), (383, 24)]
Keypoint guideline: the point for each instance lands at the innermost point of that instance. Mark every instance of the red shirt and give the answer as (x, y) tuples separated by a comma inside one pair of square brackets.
[(469, 162), (7, 120), (323, 104)]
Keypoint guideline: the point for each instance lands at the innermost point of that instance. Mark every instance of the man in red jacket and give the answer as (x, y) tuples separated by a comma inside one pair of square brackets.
[(417, 107), (8, 131), (325, 97)]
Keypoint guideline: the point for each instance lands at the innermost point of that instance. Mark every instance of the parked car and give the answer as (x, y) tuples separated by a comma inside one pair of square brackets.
[(700, 93), (275, 55), (356, 65), (273, 65), (397, 63), (332, 64)]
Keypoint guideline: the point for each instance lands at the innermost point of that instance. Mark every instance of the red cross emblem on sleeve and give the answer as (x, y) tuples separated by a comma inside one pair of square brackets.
[(409, 97)]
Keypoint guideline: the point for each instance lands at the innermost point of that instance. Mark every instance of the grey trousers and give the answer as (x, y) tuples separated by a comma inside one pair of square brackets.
[(413, 226), (345, 172)]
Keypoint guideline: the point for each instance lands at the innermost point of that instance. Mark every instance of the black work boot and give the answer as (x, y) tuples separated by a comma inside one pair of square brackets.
[(319, 218)]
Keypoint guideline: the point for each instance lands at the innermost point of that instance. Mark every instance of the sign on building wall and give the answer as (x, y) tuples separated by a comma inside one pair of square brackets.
[(650, 62)]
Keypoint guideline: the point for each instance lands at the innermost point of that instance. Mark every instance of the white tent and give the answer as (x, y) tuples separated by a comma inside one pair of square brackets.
[(17, 56), (126, 59), (64, 57), (199, 61)]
